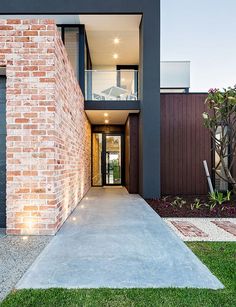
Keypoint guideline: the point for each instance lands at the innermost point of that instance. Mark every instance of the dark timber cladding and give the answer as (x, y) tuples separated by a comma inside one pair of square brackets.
[(2, 151), (185, 143), (131, 153), (149, 83)]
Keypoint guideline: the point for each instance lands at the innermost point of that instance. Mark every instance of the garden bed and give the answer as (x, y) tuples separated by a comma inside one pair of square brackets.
[(187, 206)]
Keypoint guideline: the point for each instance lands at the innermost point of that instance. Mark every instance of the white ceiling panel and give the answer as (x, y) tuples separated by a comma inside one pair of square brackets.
[(103, 29), (115, 117)]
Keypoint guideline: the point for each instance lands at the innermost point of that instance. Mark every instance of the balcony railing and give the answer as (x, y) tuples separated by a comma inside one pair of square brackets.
[(111, 85)]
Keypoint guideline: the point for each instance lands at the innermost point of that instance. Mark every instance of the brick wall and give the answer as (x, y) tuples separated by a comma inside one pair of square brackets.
[(48, 134), (73, 137)]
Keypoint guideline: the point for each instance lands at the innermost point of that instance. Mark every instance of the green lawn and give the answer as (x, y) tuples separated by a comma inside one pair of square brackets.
[(219, 257)]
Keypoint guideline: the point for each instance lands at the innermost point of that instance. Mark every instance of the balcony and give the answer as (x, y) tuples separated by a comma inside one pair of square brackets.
[(110, 85)]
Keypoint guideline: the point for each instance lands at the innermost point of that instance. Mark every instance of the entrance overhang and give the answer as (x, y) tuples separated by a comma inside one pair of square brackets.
[(109, 117)]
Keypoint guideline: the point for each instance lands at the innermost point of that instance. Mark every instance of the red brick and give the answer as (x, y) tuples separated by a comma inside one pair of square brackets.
[(38, 27), (30, 68), (227, 226), (30, 208), (30, 173), (21, 120), (47, 80), (30, 33), (6, 28), (39, 74), (22, 39), (5, 50), (38, 132), (47, 33), (188, 229)]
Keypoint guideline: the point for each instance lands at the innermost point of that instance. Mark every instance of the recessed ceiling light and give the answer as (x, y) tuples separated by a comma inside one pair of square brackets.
[(115, 56), (105, 114), (116, 40), (106, 121)]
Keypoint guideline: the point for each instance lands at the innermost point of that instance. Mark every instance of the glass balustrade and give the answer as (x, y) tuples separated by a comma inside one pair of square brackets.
[(111, 85)]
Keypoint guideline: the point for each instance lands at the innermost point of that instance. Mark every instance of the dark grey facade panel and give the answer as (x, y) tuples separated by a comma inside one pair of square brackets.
[(149, 124), (75, 6), (149, 128), (2, 152), (112, 105)]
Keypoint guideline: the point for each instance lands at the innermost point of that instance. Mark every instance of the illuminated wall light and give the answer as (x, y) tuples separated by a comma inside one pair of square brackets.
[(116, 40), (82, 206), (24, 238), (106, 121), (105, 114), (74, 219)]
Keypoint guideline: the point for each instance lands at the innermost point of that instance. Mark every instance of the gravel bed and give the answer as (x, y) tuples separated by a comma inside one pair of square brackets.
[(16, 254)]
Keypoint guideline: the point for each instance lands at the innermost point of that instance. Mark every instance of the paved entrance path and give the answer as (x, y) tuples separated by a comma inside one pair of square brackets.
[(116, 240)]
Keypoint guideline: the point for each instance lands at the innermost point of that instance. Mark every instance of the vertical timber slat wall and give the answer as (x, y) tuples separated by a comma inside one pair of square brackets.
[(131, 153), (185, 143)]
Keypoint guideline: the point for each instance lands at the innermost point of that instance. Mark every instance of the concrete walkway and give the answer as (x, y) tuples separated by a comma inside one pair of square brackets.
[(116, 240)]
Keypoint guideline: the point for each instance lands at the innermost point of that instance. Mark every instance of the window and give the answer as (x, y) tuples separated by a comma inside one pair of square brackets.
[(71, 41)]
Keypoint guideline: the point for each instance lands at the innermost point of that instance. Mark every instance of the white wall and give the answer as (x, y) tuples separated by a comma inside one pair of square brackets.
[(175, 74)]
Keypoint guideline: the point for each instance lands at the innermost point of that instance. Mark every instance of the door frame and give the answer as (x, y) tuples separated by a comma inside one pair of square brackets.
[(103, 158), (104, 135), (128, 67)]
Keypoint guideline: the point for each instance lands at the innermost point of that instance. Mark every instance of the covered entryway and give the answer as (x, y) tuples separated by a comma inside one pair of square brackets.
[(2, 151), (115, 150), (107, 158)]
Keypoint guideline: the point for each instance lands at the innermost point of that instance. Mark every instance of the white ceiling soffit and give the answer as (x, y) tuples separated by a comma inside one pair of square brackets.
[(115, 117), (60, 19), (101, 31), (110, 22)]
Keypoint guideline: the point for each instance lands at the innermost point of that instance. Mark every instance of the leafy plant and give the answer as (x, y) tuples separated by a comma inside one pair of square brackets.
[(178, 202), (196, 204), (228, 195), (164, 198), (222, 114), (218, 198)]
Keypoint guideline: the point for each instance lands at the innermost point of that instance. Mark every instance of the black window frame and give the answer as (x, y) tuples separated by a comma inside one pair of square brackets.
[(82, 45)]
